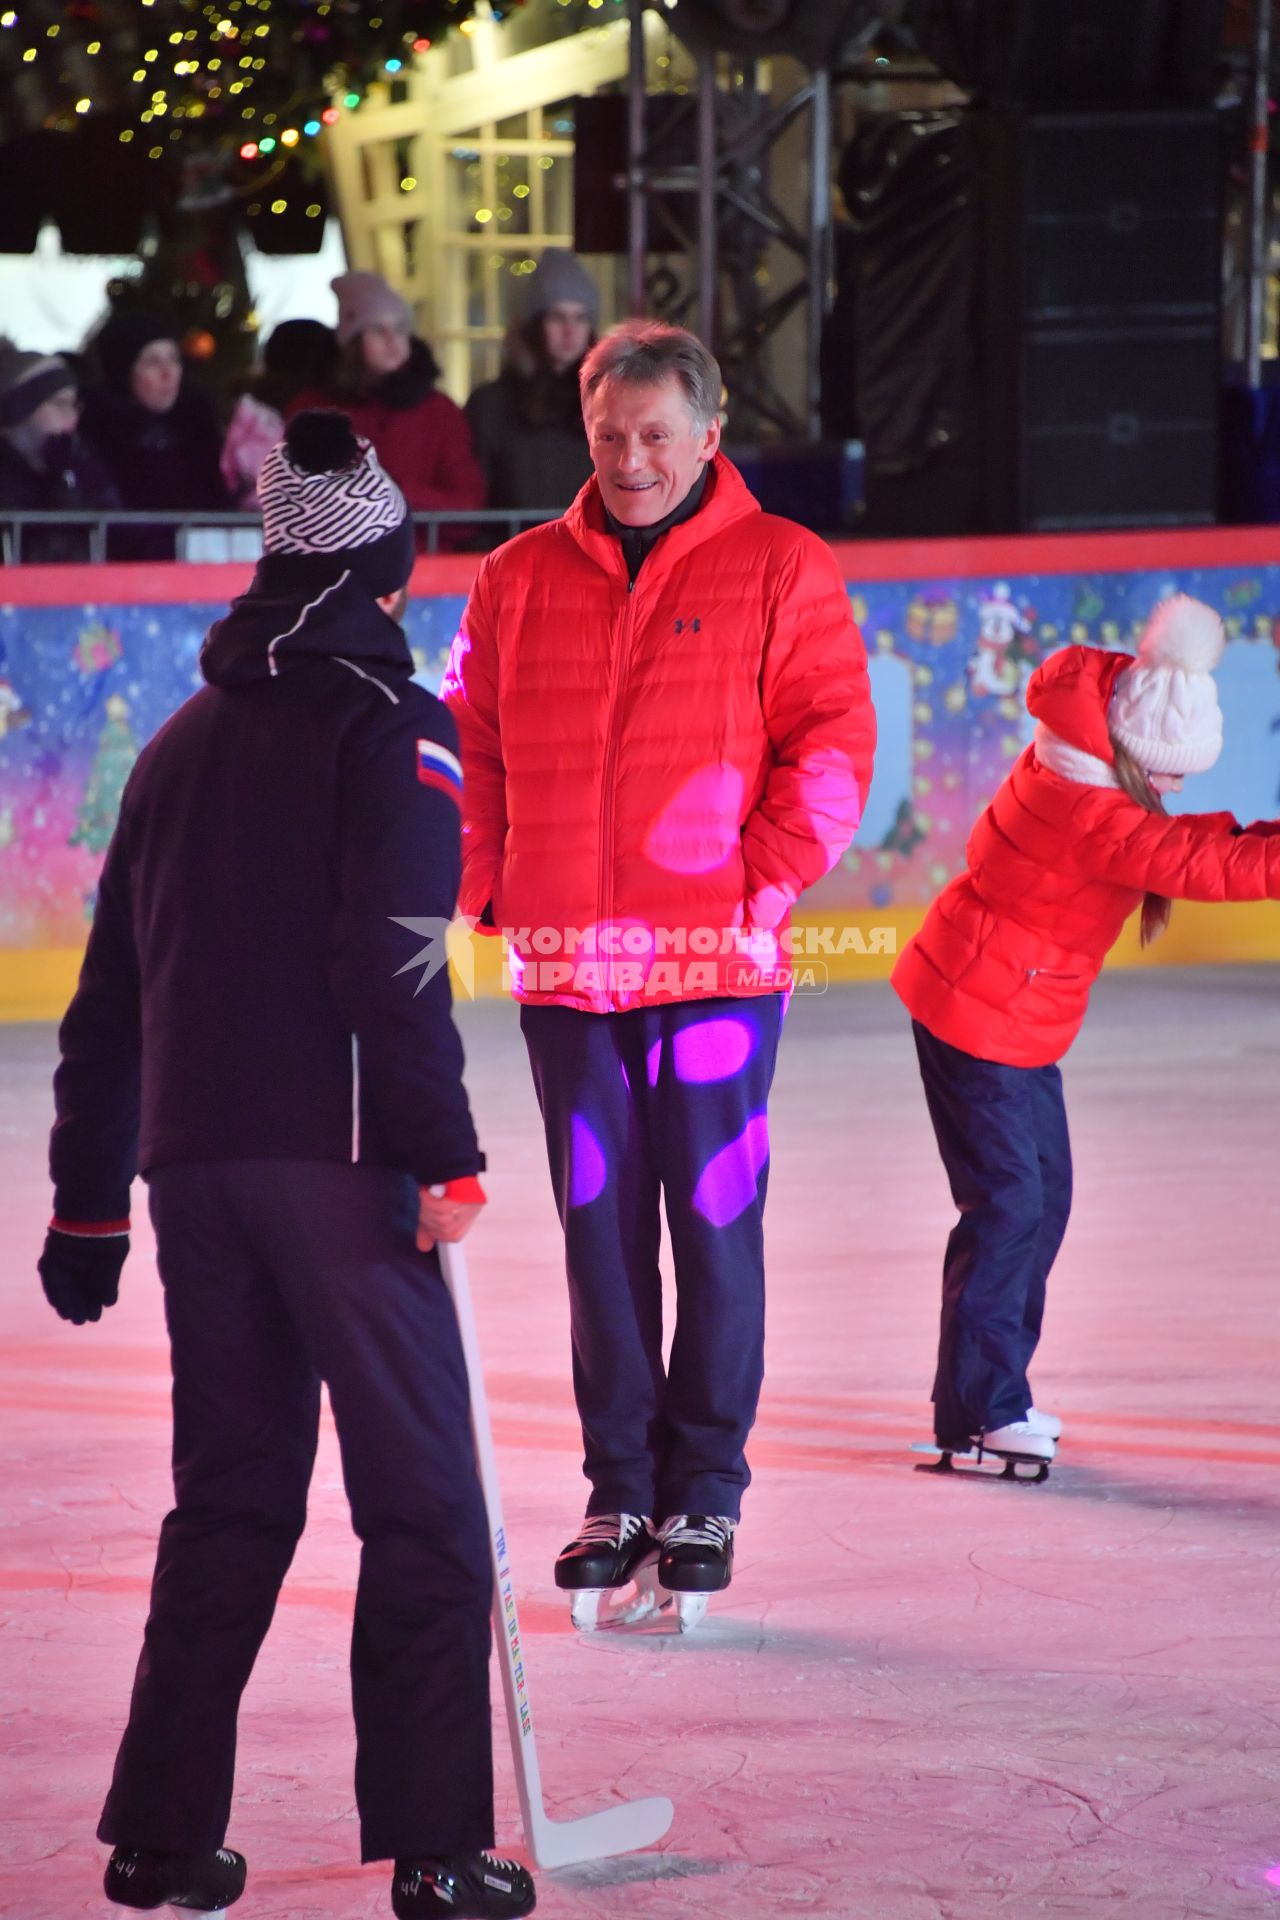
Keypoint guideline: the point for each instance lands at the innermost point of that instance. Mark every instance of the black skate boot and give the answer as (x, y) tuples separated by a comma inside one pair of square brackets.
[(478, 1885), (696, 1561), (192, 1882), (612, 1551)]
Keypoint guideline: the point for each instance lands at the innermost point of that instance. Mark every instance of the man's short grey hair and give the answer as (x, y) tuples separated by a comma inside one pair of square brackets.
[(644, 353)]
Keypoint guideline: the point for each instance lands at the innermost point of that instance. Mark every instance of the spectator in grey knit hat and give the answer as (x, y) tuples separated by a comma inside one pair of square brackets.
[(527, 424), (44, 466)]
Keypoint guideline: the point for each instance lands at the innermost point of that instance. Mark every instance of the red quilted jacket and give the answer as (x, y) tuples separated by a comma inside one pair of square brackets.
[(1003, 964), (425, 448), (649, 771)]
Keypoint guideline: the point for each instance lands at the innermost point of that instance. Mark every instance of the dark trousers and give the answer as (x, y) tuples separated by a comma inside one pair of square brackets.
[(1002, 1134), (277, 1276), (662, 1101)]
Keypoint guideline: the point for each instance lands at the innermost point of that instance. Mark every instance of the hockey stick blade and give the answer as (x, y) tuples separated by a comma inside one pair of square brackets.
[(630, 1824)]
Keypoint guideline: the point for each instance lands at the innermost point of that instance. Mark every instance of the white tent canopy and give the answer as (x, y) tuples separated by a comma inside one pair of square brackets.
[(51, 301)]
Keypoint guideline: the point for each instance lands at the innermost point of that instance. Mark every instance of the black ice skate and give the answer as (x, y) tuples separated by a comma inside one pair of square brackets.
[(696, 1561), (613, 1551), (478, 1885), (188, 1882)]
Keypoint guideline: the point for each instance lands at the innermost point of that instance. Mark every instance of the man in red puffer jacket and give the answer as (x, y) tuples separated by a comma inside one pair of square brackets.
[(666, 733)]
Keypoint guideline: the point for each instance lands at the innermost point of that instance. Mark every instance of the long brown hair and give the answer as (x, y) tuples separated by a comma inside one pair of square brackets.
[(1156, 909)]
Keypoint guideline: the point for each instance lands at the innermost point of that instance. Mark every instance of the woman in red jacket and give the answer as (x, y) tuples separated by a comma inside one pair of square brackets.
[(387, 385), (997, 980)]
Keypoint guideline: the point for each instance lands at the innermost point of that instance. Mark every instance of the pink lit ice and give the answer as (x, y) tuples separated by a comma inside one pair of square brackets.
[(919, 1698)]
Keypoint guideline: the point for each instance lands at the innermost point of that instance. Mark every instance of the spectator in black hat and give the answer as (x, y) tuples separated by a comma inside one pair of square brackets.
[(44, 465), (157, 434)]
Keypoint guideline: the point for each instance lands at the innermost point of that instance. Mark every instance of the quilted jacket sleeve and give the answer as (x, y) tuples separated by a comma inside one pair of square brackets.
[(1192, 856), (470, 691), (816, 699)]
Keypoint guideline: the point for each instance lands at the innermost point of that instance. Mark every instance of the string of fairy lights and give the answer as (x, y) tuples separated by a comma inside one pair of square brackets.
[(253, 76), (236, 93)]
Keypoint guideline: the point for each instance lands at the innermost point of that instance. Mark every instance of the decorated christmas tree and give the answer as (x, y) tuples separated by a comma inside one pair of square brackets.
[(116, 753)]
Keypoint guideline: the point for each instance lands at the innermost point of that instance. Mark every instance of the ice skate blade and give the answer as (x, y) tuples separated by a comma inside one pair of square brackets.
[(690, 1608), (1026, 1468), (595, 1609), (209, 1913)]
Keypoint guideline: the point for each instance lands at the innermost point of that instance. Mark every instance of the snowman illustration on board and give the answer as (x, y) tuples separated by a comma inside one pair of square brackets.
[(1000, 621)]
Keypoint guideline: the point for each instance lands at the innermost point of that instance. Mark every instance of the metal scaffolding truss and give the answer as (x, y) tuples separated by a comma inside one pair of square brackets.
[(702, 214)]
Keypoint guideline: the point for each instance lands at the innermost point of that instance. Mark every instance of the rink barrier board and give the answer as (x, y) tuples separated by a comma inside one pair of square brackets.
[(923, 616), (37, 984)]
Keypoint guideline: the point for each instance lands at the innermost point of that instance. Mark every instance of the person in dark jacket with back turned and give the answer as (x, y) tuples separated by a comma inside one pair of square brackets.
[(239, 1037), (157, 434), (45, 467)]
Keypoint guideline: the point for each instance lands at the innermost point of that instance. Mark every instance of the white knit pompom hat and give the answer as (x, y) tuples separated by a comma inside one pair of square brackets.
[(1165, 707)]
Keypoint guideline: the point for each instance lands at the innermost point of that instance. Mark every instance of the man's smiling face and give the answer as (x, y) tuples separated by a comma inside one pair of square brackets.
[(646, 447)]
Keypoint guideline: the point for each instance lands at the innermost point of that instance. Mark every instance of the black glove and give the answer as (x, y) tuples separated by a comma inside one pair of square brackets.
[(80, 1272)]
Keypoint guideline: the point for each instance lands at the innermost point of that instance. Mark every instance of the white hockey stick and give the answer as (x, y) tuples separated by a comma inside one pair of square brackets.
[(553, 1843)]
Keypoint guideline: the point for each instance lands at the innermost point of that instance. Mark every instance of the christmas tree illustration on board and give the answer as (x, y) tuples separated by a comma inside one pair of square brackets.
[(115, 756)]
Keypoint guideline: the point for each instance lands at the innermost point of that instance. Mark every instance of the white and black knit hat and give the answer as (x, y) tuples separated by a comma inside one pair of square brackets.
[(1165, 710), (324, 495)]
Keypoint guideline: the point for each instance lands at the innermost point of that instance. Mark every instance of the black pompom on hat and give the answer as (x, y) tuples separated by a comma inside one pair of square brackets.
[(321, 440)]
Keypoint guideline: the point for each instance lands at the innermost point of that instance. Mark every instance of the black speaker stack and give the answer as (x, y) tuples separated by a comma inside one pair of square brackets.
[(1037, 276)]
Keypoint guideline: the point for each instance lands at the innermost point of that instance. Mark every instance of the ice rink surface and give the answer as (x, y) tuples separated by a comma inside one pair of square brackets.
[(921, 1699)]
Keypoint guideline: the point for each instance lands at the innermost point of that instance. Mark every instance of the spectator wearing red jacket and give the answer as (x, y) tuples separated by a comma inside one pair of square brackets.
[(997, 980), (666, 730), (386, 383)]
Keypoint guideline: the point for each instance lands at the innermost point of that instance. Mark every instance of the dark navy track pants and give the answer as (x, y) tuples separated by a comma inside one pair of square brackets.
[(279, 1275), (1002, 1134), (661, 1104)]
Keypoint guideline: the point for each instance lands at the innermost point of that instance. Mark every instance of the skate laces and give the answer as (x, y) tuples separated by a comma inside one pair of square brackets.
[(227, 1859), (613, 1529), (698, 1530)]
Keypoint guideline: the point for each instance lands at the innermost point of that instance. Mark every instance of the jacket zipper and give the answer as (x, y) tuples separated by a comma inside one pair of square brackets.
[(1049, 973), (621, 662)]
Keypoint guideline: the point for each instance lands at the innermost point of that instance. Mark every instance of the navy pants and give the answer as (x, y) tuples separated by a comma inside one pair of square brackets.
[(661, 1103), (1002, 1134), (277, 1276)]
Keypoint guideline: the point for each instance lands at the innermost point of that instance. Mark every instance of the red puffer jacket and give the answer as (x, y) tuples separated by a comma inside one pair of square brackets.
[(650, 770), (425, 447), (1003, 964)]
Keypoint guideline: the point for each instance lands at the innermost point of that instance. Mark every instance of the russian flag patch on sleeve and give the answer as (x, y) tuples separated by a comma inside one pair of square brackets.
[(439, 768)]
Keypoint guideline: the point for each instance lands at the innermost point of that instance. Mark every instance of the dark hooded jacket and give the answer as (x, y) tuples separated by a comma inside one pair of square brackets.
[(64, 475), (244, 995)]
